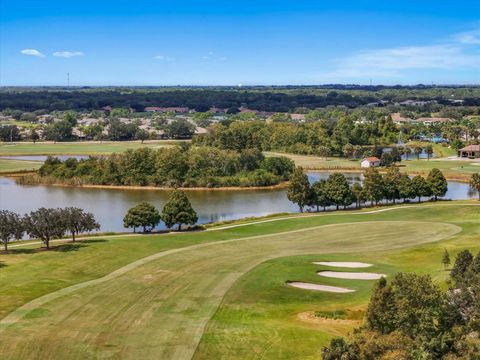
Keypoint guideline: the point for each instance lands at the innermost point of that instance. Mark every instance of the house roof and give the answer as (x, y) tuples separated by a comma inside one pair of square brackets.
[(372, 159), (471, 148)]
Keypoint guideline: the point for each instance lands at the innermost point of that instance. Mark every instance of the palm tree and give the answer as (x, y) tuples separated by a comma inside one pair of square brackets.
[(475, 183)]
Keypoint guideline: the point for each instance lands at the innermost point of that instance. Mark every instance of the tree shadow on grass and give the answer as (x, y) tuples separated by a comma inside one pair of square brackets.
[(56, 248), (92, 241), (2, 264)]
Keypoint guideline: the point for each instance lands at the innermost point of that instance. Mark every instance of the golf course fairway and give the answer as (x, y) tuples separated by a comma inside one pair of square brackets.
[(194, 295)]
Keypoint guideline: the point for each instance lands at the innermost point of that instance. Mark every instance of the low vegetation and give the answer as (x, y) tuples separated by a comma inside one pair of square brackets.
[(184, 166)]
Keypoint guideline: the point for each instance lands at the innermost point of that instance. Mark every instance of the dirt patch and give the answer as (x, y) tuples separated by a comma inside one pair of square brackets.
[(338, 327)]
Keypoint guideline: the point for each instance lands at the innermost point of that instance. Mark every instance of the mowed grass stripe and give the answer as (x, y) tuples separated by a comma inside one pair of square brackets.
[(159, 308)]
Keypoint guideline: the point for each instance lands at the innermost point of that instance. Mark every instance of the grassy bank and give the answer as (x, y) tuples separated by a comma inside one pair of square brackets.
[(77, 147), (159, 306), (12, 166)]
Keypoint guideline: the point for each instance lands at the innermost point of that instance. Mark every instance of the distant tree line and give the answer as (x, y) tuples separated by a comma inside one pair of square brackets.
[(186, 166), (177, 211), (277, 99), (391, 186), (410, 317), (45, 224), (323, 136)]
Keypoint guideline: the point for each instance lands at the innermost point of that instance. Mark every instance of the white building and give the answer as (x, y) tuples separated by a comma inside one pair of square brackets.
[(370, 162)]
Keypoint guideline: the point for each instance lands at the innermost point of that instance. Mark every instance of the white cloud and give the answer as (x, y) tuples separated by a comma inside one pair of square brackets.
[(469, 38), (32, 52), (163, 57), (393, 62), (68, 54)]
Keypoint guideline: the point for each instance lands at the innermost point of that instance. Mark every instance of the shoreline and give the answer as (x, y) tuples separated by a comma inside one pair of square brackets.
[(282, 185)]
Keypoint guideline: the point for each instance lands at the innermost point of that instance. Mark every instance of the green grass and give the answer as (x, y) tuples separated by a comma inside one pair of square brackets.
[(77, 148), (8, 166), (453, 169), (224, 289)]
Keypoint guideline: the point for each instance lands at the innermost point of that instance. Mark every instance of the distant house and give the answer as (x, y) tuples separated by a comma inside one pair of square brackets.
[(398, 119), (470, 151), (432, 120), (371, 161)]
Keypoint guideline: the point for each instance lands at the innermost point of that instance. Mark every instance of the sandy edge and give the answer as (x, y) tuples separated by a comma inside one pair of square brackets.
[(317, 287)]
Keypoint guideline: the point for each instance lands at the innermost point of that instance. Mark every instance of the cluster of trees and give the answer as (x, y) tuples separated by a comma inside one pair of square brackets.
[(411, 317), (185, 166), (335, 133), (177, 211), (45, 224), (277, 99), (475, 183), (391, 186)]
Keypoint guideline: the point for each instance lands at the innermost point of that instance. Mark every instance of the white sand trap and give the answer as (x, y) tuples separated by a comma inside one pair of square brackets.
[(345, 264), (351, 275), (308, 286)]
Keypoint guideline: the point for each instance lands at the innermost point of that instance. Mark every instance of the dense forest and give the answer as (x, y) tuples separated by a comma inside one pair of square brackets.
[(184, 166), (272, 99)]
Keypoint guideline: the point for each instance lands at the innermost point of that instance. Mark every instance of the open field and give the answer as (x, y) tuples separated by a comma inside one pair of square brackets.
[(459, 170), (77, 148), (159, 296), (8, 166)]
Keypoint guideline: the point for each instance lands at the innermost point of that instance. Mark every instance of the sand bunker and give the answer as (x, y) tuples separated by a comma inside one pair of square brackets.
[(351, 275), (345, 264), (308, 286)]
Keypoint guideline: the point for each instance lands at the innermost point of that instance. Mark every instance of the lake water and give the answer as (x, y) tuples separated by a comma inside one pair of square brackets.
[(110, 205), (43, 158)]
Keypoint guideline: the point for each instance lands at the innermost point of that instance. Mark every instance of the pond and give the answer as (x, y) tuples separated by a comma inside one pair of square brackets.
[(110, 205), (42, 158)]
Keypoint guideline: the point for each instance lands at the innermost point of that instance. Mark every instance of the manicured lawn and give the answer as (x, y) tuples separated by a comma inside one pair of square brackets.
[(77, 148), (7, 166), (159, 307), (452, 169)]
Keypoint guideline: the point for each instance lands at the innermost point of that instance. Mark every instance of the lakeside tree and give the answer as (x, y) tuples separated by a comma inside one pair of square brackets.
[(299, 191), (418, 150), (405, 188), (320, 195), (338, 190), (45, 224), (429, 151), (445, 259), (420, 187), (11, 227), (358, 194), (143, 215), (78, 221), (475, 183), (392, 183), (437, 183), (178, 210), (373, 185)]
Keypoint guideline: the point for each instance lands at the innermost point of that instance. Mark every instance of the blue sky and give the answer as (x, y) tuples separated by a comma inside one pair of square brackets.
[(233, 42)]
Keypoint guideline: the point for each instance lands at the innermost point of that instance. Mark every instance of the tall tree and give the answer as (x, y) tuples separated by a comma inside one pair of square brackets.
[(405, 188), (462, 263), (78, 221), (392, 183), (418, 150), (338, 190), (475, 183), (143, 215), (299, 191), (358, 194), (373, 185), (429, 151), (45, 224), (445, 259), (178, 211), (320, 194), (421, 187), (11, 227), (437, 183)]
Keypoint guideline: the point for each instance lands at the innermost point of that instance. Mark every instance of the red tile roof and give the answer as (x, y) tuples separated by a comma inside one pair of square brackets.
[(471, 148), (372, 159)]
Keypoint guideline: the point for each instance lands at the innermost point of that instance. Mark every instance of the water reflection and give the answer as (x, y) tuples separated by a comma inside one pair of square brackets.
[(110, 205)]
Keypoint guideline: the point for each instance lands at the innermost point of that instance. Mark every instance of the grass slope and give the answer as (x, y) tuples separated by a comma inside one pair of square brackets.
[(77, 148), (8, 166), (160, 307)]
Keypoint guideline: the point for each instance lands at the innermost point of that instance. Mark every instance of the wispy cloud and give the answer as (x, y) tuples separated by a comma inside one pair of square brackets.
[(469, 37), (211, 56), (163, 58), (32, 52), (68, 54), (393, 62)]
